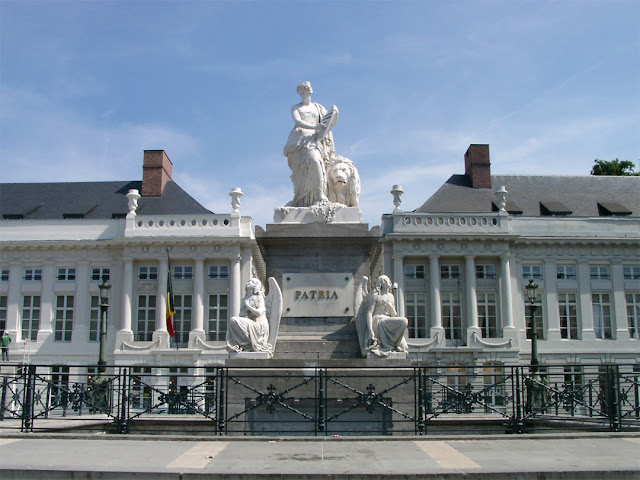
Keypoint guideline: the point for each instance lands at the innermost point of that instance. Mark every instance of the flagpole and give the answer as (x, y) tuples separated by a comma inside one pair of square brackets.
[(169, 300)]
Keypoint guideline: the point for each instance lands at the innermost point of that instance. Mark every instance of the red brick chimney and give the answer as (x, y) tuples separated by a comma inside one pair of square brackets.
[(156, 172), (477, 166)]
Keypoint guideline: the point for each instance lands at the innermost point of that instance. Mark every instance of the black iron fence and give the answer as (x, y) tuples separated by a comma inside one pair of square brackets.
[(417, 400)]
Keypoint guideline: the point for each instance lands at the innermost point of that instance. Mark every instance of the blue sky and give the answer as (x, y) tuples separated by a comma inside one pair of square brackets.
[(85, 87)]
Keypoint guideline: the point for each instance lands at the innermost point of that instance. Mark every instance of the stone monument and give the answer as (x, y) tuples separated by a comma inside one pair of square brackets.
[(326, 186), (319, 251)]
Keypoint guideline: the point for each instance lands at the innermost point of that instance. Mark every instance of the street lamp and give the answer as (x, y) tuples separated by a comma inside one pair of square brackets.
[(531, 295), (104, 307)]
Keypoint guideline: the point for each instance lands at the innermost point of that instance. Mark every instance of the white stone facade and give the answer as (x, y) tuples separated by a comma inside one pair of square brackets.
[(51, 270), (461, 277)]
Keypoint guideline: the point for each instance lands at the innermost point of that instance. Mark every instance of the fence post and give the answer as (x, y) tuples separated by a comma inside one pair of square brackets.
[(221, 400), (27, 403), (614, 409), (320, 421), (516, 389), (420, 425), (3, 401)]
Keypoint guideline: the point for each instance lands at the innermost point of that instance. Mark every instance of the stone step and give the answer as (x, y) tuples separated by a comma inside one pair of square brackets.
[(331, 328), (316, 347)]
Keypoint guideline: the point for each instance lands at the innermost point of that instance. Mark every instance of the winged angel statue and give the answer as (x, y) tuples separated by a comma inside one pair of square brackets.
[(256, 328), (380, 330)]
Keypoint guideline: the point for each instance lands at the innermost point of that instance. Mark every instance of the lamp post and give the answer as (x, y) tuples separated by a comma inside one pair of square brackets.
[(531, 295), (100, 386), (104, 307)]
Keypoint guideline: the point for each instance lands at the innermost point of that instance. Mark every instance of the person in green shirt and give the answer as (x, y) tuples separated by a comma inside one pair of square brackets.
[(5, 340)]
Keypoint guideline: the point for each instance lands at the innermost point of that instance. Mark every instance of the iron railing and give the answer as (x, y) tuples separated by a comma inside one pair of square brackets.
[(415, 400)]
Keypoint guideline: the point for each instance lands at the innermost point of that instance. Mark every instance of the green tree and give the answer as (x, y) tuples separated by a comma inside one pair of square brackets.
[(613, 167)]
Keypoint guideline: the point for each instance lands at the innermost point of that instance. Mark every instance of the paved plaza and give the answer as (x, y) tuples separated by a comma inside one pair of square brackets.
[(584, 456)]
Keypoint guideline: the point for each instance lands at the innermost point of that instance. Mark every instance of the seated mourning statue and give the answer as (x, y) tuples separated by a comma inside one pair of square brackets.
[(256, 328), (380, 330)]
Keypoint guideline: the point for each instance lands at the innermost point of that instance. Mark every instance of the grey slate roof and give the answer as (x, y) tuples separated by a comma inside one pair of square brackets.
[(91, 200), (579, 194)]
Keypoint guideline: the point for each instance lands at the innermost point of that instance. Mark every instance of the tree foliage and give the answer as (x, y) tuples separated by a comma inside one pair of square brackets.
[(613, 167)]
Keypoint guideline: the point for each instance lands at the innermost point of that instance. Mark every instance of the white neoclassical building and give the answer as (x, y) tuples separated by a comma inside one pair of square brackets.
[(459, 262)]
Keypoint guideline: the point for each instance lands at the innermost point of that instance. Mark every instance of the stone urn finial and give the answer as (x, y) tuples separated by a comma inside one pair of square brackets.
[(235, 195), (397, 192), (133, 196), (501, 193)]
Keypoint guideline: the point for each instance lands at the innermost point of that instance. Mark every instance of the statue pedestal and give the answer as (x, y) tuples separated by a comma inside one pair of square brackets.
[(392, 356), (249, 355), (325, 213)]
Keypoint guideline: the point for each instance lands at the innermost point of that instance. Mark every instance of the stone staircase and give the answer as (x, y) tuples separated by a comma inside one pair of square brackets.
[(317, 338)]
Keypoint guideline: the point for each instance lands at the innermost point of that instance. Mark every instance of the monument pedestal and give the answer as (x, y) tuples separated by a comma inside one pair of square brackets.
[(316, 248)]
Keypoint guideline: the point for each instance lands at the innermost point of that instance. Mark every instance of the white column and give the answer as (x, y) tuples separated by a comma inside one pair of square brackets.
[(82, 304), (14, 302), (161, 300), (507, 299), (585, 311), (235, 287), (618, 303), (550, 301), (472, 305), (436, 303), (47, 302), (398, 278), (127, 295), (198, 300)]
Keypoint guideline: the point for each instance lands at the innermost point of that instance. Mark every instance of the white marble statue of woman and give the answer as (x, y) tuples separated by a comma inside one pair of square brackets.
[(250, 331), (380, 330), (310, 148)]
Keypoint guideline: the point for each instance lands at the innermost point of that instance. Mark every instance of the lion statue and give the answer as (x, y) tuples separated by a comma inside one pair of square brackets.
[(343, 182)]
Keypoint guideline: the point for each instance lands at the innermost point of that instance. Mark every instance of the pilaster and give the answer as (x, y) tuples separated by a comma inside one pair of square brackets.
[(550, 308), (471, 299), (47, 301), (619, 303), (585, 313), (398, 279), (436, 302)]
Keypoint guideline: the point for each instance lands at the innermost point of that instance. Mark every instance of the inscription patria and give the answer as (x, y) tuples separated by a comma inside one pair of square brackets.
[(318, 294)]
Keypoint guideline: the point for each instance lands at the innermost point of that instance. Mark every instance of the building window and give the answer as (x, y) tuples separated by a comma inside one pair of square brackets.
[(183, 272), (3, 313), (451, 318), (30, 317), (601, 305), (64, 318), (33, 274), (94, 319), (98, 273), (566, 272), (146, 323), (65, 274), (532, 272), (414, 271), (493, 392), (485, 271), (218, 315), (141, 391), (449, 271), (218, 271), (416, 312), (4, 274), (59, 386), (538, 317), (631, 272), (633, 314), (568, 315), (487, 319), (599, 272), (147, 272), (182, 319)]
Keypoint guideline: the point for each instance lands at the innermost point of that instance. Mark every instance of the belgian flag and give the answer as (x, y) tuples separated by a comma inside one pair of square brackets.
[(170, 308)]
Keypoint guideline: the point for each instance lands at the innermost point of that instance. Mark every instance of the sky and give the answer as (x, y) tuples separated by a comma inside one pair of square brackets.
[(87, 86)]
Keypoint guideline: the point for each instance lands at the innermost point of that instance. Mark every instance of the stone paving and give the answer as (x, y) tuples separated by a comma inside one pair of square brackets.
[(583, 456)]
